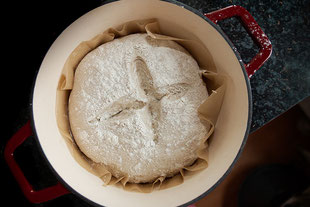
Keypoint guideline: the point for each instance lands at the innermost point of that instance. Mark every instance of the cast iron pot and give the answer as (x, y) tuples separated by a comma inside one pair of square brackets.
[(231, 130)]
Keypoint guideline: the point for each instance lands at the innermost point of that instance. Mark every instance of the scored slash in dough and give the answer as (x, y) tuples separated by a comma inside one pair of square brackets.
[(133, 107)]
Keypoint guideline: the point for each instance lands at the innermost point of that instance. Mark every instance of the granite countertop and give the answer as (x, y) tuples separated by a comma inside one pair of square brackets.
[(282, 82)]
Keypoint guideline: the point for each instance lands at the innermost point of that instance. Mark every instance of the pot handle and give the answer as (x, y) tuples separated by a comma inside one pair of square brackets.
[(253, 30), (33, 196)]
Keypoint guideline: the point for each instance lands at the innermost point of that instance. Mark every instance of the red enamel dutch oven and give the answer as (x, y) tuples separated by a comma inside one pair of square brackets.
[(176, 19)]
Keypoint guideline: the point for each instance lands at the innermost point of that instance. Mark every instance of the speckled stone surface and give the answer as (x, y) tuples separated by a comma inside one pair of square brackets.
[(284, 80)]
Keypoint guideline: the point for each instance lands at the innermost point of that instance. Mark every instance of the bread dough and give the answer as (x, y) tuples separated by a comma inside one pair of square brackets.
[(133, 107)]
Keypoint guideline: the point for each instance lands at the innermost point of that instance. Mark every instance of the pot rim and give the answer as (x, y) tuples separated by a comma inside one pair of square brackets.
[(66, 185)]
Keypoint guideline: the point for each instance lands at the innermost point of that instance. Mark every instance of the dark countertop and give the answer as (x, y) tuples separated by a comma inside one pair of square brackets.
[(282, 82)]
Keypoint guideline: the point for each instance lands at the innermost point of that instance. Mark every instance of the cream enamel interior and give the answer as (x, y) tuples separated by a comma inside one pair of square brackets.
[(230, 128)]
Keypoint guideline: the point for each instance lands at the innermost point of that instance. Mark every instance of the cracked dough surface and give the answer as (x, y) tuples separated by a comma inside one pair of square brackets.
[(133, 107)]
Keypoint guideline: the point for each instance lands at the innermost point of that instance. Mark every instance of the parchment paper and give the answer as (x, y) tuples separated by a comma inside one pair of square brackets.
[(208, 111)]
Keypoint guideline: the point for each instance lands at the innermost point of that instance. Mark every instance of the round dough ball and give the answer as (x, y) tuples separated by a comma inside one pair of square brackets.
[(134, 105)]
